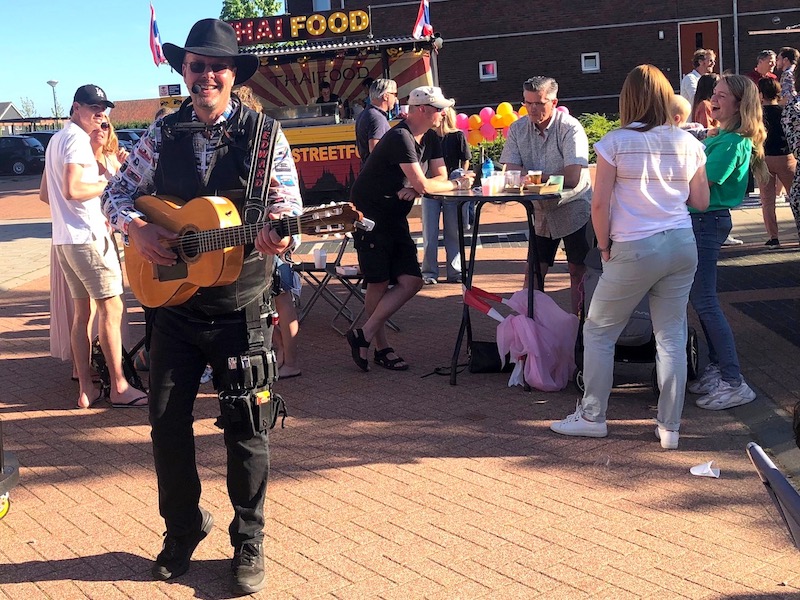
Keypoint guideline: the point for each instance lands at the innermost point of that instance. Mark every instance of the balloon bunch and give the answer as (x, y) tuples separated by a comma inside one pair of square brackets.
[(484, 126)]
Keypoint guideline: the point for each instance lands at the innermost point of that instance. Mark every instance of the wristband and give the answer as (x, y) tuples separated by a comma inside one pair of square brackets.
[(604, 249)]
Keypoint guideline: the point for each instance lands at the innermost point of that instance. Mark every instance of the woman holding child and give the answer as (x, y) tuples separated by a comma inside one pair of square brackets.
[(647, 173)]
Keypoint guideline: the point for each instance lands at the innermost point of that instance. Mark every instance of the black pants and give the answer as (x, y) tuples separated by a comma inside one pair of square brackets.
[(179, 351)]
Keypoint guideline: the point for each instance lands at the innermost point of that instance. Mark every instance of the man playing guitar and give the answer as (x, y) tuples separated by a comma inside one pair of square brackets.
[(206, 149)]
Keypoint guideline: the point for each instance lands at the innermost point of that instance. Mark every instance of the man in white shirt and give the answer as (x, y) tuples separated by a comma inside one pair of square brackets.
[(703, 61), (85, 250)]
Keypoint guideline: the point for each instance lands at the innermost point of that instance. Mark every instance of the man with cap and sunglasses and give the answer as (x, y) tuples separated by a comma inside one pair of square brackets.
[(205, 149), (72, 185), (391, 179)]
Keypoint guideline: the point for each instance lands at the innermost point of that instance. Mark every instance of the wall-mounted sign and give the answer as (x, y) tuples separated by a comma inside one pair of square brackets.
[(173, 89), (282, 28), (171, 101)]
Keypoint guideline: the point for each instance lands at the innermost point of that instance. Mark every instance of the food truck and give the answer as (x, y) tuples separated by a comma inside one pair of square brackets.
[(299, 52)]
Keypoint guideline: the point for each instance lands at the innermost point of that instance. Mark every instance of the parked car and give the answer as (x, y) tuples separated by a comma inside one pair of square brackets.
[(20, 154), (44, 136), (129, 137)]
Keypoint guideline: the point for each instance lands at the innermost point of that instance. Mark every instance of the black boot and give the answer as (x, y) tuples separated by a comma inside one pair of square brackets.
[(173, 560), (248, 568)]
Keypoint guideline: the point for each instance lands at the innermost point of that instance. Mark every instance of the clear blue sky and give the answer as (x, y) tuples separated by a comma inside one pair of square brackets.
[(105, 43)]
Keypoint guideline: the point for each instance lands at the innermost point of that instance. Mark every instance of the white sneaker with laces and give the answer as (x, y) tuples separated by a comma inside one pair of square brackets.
[(707, 381), (732, 241), (576, 425), (669, 439), (726, 396)]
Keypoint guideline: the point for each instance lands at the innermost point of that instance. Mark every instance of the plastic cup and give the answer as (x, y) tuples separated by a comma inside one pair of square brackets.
[(498, 183), (535, 177), (512, 179), (320, 259), (556, 180)]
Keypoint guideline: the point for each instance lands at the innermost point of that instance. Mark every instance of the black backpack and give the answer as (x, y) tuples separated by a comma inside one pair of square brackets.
[(99, 364)]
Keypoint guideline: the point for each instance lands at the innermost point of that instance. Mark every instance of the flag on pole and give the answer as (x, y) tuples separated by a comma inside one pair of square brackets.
[(423, 28), (155, 39)]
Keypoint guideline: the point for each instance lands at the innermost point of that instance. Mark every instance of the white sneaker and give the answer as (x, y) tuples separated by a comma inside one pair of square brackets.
[(208, 375), (726, 396), (707, 381), (576, 425), (669, 439), (732, 241)]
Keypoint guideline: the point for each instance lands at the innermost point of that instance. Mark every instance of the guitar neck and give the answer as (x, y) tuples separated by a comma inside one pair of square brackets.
[(240, 235)]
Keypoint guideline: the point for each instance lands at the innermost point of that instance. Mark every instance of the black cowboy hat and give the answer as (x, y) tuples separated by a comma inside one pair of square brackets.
[(215, 38)]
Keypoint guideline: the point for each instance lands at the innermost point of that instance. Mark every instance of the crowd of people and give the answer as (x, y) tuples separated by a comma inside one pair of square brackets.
[(657, 215)]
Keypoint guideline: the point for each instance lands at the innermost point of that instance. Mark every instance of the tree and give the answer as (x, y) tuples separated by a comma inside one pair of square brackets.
[(27, 108), (248, 9)]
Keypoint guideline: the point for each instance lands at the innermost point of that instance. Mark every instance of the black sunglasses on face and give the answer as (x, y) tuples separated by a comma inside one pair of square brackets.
[(199, 67), (104, 125)]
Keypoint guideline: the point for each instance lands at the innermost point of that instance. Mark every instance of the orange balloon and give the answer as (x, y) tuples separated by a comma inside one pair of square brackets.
[(523, 111), (509, 119), (474, 137), (475, 122), (504, 108), (497, 121)]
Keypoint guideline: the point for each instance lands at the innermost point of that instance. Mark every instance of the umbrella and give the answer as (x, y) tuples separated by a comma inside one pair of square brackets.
[(542, 347)]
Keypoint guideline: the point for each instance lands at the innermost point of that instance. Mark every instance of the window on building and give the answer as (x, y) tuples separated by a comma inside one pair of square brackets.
[(590, 62), (487, 70), (322, 5)]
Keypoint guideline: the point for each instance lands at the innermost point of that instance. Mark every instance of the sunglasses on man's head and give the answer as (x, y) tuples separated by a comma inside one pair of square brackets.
[(198, 67)]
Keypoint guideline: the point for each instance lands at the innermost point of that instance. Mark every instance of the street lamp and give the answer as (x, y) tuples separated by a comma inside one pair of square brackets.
[(53, 83)]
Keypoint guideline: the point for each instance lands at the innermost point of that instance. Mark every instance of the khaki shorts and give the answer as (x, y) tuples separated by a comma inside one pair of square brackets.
[(91, 270)]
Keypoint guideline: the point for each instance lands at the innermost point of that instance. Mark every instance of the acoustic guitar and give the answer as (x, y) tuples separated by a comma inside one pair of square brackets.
[(210, 243)]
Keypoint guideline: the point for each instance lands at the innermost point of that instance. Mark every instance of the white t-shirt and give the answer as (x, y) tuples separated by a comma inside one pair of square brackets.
[(652, 185), (689, 85), (73, 222)]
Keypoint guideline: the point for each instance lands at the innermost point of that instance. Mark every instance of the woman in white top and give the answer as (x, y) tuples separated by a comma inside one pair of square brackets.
[(647, 173)]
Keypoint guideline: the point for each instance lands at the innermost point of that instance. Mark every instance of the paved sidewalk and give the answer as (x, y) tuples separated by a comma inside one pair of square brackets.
[(394, 485)]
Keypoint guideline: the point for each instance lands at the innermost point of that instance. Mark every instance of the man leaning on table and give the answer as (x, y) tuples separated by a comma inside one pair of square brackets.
[(555, 143)]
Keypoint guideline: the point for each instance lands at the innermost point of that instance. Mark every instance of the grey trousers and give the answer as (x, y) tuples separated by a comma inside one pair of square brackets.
[(663, 267)]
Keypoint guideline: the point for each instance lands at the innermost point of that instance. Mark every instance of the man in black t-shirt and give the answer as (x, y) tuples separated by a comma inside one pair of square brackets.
[(393, 177), (372, 124)]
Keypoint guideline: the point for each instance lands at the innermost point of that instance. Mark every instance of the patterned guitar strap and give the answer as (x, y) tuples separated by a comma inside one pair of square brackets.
[(259, 313)]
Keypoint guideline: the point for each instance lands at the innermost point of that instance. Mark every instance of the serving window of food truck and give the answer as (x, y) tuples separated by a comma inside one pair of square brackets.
[(337, 48)]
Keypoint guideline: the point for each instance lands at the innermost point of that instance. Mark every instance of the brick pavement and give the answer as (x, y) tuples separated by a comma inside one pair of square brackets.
[(393, 485)]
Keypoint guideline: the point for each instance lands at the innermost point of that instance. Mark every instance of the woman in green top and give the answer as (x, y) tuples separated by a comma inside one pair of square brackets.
[(738, 145)]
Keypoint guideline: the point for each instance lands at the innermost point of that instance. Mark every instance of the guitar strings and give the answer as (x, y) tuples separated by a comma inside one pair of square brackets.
[(203, 241)]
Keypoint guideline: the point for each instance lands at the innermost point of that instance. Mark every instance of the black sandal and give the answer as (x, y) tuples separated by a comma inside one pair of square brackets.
[(389, 363), (355, 337)]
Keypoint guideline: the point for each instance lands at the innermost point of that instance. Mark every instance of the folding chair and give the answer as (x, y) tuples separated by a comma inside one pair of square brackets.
[(318, 279), (783, 494)]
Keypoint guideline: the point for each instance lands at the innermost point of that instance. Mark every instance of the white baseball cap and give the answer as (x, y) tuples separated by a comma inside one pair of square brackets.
[(429, 95)]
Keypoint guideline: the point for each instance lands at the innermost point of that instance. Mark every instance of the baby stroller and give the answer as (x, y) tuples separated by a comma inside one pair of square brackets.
[(636, 343)]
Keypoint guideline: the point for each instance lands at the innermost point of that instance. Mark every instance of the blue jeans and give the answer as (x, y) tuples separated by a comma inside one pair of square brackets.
[(662, 267), (710, 230), (430, 237)]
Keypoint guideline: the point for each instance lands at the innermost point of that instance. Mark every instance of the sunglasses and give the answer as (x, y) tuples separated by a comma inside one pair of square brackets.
[(104, 125), (199, 67)]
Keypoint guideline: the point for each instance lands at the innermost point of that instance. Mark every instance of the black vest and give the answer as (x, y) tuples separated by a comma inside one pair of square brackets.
[(176, 175)]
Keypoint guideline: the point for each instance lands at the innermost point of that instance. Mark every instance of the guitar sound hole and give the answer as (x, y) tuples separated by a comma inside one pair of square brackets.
[(190, 246)]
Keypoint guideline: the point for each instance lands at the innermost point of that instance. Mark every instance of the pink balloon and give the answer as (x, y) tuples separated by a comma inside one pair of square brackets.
[(486, 114), (462, 122), (505, 132), (563, 109), (488, 132)]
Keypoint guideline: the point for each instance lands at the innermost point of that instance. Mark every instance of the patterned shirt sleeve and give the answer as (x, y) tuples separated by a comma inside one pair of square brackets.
[(284, 189), (135, 178), (787, 84)]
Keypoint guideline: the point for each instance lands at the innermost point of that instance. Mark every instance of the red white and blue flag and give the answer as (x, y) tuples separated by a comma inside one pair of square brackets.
[(155, 39), (423, 28)]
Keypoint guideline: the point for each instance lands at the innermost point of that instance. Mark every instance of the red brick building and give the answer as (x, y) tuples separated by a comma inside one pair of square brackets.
[(491, 47)]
